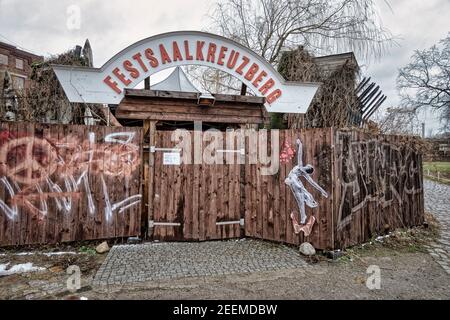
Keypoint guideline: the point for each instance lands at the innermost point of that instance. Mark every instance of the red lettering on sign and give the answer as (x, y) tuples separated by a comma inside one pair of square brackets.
[(150, 56), (211, 52), (186, 50), (176, 52), (274, 96), (200, 45), (251, 72), (221, 56), (112, 84), (243, 64), (138, 58), (259, 78), (164, 55), (121, 76), (134, 73), (232, 59), (267, 86)]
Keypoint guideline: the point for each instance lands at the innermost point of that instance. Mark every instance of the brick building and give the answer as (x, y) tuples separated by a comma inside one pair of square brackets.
[(18, 63)]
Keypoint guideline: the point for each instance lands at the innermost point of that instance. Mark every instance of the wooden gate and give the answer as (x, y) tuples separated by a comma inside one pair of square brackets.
[(372, 182), (194, 201)]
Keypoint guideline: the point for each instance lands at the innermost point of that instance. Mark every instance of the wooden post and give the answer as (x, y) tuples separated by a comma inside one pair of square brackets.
[(151, 171), (243, 90)]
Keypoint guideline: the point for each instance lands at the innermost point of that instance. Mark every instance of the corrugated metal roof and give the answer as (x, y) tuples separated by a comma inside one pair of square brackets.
[(177, 81)]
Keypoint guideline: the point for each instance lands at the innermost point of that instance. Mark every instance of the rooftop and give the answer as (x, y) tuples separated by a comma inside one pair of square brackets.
[(177, 81)]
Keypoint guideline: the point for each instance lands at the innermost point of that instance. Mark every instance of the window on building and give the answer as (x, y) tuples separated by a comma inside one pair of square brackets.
[(3, 59), (19, 64), (18, 82)]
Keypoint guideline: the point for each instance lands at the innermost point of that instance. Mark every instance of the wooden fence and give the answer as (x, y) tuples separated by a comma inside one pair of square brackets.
[(65, 183), (374, 185), (378, 186), (269, 202)]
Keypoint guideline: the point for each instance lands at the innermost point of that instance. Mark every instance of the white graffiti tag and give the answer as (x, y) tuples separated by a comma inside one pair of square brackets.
[(36, 170)]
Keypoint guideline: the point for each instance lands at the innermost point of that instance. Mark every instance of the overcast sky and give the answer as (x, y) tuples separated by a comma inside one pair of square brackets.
[(111, 25)]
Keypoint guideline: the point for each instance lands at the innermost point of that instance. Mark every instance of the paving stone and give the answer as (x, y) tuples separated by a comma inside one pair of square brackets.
[(151, 261), (437, 201)]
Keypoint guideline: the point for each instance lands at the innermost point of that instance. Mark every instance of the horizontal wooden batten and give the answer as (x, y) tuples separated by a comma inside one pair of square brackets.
[(191, 96), (182, 106), (188, 117)]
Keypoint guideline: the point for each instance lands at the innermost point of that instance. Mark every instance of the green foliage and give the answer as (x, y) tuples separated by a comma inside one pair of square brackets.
[(276, 121), (87, 250), (437, 166)]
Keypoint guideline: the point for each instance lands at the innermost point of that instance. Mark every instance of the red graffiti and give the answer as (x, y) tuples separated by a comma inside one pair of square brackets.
[(287, 153)]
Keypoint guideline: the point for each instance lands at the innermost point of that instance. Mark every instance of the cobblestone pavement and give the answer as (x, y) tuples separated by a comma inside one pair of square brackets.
[(437, 201), (153, 261)]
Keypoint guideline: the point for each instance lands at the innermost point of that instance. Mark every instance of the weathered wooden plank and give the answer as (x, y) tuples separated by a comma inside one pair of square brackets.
[(235, 230), (283, 215), (222, 196), (151, 172), (195, 213), (165, 106), (77, 210), (5, 211), (57, 218), (155, 199), (202, 213), (190, 96), (179, 199), (187, 117), (213, 203), (25, 156), (291, 206)]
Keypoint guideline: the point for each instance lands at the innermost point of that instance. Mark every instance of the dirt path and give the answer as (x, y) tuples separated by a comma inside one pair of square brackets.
[(407, 271), (404, 275)]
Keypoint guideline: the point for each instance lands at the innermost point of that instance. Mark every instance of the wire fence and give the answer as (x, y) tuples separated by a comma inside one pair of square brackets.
[(436, 175)]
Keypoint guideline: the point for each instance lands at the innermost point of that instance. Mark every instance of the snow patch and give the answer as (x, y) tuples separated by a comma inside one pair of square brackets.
[(18, 268), (48, 254)]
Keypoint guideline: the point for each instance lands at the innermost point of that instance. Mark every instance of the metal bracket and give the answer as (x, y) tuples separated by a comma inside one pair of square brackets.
[(222, 223), (152, 224), (240, 151), (153, 149)]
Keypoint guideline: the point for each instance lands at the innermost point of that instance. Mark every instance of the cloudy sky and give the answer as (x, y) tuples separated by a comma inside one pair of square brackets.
[(42, 27)]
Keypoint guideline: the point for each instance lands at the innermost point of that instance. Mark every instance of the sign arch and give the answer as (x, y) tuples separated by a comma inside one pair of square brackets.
[(142, 59)]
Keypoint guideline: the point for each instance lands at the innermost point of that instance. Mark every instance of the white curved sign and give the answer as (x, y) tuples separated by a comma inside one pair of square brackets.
[(132, 65)]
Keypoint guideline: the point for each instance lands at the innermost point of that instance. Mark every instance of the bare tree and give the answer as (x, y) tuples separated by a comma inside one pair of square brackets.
[(321, 26), (425, 81), (402, 121), (270, 27)]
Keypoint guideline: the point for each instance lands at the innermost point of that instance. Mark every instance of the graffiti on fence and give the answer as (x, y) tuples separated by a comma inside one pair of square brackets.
[(35, 170), (287, 153), (301, 195), (374, 171)]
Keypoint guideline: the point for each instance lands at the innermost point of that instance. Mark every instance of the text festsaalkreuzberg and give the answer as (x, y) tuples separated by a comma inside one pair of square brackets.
[(238, 63)]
